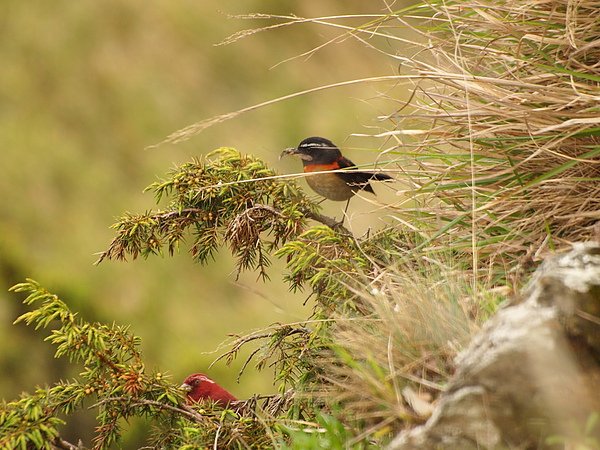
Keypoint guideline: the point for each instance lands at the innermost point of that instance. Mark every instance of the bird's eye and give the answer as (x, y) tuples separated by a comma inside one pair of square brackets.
[(196, 382)]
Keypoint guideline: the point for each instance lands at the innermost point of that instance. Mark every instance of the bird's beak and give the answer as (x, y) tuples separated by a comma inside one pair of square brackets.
[(185, 387), (288, 151)]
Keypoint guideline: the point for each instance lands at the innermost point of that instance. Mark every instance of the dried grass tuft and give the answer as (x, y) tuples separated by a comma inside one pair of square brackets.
[(388, 366), (510, 162)]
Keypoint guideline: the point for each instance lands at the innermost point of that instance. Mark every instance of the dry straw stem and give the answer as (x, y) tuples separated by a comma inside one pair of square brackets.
[(512, 163), (362, 32)]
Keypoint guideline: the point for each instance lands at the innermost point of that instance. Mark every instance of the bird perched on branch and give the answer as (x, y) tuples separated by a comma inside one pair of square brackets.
[(198, 387), (321, 155)]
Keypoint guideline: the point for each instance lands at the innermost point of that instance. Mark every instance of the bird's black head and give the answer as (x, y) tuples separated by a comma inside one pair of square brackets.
[(315, 150)]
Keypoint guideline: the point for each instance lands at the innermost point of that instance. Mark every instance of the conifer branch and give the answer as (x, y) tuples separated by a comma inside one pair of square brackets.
[(227, 198), (62, 444)]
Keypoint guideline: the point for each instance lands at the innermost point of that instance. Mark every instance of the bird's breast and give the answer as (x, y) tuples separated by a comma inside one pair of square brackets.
[(330, 185)]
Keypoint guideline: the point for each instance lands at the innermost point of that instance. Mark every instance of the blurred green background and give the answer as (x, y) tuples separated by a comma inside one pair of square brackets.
[(85, 88)]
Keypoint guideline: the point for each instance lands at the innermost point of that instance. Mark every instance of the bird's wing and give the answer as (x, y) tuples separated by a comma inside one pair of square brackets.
[(345, 162)]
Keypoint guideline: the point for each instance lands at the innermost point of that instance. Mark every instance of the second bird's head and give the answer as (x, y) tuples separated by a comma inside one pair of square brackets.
[(199, 387), (315, 150)]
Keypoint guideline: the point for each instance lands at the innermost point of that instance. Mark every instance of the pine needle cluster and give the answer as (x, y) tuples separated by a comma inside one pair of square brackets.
[(234, 200), (115, 383), (230, 199), (226, 200), (113, 374)]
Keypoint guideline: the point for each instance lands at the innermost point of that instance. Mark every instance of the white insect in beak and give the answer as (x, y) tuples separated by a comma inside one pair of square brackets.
[(288, 151)]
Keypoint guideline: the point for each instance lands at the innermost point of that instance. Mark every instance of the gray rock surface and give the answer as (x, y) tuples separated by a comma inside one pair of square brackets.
[(532, 372)]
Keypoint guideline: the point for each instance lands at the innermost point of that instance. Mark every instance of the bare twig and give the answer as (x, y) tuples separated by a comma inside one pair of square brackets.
[(182, 409), (62, 444), (328, 221)]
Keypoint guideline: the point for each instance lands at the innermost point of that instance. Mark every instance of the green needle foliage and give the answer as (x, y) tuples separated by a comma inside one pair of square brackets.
[(113, 376), (253, 219), (228, 198), (235, 200), (114, 380)]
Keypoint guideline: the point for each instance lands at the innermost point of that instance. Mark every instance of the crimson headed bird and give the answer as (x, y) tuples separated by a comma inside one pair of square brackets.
[(319, 155), (198, 387)]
